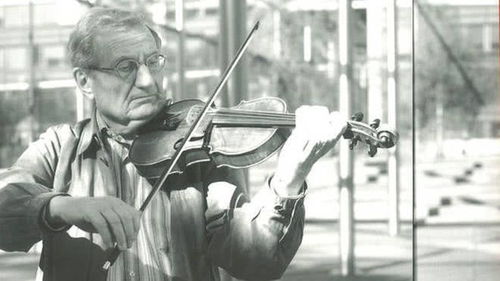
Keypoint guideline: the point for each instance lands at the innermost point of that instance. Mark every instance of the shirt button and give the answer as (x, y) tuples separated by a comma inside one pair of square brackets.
[(132, 275)]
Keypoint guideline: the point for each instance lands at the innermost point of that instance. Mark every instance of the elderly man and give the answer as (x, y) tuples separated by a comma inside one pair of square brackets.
[(76, 190)]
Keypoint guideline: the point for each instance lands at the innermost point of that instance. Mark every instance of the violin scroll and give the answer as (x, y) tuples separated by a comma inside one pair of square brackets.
[(388, 136), (374, 135)]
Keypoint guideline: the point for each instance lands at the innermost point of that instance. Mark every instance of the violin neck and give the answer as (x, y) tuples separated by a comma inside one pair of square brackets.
[(254, 119)]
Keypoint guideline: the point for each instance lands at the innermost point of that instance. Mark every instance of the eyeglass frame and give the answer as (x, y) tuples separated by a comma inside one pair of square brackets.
[(137, 64)]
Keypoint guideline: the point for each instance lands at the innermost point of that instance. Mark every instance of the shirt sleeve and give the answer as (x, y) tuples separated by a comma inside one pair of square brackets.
[(252, 240), (25, 189)]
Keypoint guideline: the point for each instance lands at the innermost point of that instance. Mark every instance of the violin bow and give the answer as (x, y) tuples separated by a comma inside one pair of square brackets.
[(113, 255)]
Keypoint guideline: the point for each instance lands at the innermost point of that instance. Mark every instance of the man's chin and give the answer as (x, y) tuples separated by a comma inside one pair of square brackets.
[(143, 114), (146, 111)]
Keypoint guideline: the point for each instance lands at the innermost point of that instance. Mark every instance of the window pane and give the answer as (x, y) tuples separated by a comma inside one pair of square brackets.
[(16, 16), (15, 58)]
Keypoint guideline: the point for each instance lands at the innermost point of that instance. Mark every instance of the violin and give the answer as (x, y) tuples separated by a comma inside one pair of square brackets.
[(238, 137), (192, 131)]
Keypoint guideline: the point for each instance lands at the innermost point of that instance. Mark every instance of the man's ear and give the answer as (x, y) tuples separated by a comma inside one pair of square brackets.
[(83, 82)]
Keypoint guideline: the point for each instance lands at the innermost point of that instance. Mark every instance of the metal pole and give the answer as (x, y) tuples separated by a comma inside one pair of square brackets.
[(439, 121), (375, 59), (331, 60), (236, 13), (31, 75), (223, 47), (307, 43), (414, 139), (276, 48), (392, 104), (232, 26), (277, 33), (237, 18), (306, 46), (223, 62), (346, 159), (179, 25), (487, 40)]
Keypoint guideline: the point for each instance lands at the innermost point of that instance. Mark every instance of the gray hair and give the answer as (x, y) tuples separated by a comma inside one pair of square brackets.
[(81, 41)]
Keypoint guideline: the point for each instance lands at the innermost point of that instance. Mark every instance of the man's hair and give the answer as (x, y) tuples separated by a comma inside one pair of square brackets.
[(81, 45)]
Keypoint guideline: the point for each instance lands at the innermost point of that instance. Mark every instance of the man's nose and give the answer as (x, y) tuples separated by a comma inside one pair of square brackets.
[(144, 79)]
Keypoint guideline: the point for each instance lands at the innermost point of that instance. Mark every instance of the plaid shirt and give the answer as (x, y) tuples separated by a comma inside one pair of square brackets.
[(199, 221)]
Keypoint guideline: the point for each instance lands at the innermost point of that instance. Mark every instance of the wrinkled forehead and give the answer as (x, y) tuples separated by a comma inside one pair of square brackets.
[(114, 45)]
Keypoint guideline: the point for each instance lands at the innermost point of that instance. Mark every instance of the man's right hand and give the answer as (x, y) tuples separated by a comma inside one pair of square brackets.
[(112, 218)]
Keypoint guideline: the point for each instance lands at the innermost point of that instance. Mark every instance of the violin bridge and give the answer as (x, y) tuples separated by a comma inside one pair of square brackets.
[(206, 138)]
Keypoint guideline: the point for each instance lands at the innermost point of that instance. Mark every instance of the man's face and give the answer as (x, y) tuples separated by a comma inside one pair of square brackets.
[(126, 101)]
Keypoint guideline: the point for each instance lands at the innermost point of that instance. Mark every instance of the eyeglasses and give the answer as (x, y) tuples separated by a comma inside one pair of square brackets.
[(126, 67)]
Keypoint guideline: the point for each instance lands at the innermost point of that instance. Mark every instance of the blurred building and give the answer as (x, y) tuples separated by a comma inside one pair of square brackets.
[(39, 58), (294, 54), (470, 29)]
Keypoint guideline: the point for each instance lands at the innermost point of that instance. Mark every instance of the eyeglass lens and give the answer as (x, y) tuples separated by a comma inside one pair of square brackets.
[(126, 67)]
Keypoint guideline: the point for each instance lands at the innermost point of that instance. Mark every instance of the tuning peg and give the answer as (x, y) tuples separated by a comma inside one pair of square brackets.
[(373, 150), (358, 116), (375, 123), (354, 142), (348, 134)]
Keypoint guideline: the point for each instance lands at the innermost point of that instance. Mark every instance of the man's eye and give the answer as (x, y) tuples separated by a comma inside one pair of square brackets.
[(126, 66), (155, 62)]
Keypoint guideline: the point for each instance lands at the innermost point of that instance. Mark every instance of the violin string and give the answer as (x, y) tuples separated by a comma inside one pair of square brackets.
[(263, 114), (251, 118), (271, 119), (248, 117), (231, 110)]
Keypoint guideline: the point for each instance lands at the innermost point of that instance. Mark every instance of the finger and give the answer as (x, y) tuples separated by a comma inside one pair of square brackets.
[(136, 219), (300, 118), (308, 117), (338, 124), (100, 224), (117, 228), (321, 123), (127, 220), (325, 147), (318, 121), (312, 121), (336, 127), (135, 215), (329, 138)]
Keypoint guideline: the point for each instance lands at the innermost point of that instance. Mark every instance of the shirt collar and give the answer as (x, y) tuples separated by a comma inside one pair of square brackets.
[(91, 137), (106, 134), (94, 133)]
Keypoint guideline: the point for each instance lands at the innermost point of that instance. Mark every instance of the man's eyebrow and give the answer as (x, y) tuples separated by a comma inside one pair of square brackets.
[(121, 58), (155, 52)]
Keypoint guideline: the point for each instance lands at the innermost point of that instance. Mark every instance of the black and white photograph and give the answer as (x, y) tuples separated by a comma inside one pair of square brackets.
[(369, 142)]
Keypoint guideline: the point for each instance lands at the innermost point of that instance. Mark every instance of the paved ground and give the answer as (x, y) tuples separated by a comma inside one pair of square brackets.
[(18, 266), (459, 252), (458, 235), (378, 256)]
